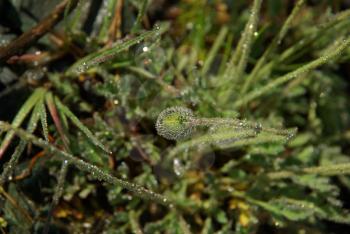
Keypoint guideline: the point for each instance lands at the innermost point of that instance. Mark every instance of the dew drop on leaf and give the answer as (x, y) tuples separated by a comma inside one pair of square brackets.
[(179, 167)]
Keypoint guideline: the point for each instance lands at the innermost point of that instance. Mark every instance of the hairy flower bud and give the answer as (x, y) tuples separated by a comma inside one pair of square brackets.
[(174, 123)]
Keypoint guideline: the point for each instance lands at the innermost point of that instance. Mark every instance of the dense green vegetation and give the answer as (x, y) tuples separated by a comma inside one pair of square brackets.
[(189, 116)]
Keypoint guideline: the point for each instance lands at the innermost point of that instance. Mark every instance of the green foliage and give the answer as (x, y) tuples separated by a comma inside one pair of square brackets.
[(122, 122)]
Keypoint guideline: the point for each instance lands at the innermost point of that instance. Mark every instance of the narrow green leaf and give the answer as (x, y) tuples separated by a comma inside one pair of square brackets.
[(10, 166), (273, 45), (184, 226), (134, 223), (140, 15), (21, 115), (208, 227), (109, 53), (108, 9), (80, 125), (248, 35), (218, 138), (43, 119), (214, 49), (58, 192), (328, 170), (292, 75), (289, 208), (239, 56), (56, 119)]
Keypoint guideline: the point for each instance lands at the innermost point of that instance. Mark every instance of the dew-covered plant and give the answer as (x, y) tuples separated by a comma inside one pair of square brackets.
[(140, 116), (176, 123)]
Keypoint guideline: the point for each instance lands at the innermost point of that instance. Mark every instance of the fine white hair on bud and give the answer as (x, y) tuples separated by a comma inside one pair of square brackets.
[(174, 123)]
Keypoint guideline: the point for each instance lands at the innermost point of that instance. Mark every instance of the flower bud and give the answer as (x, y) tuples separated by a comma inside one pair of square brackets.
[(174, 123)]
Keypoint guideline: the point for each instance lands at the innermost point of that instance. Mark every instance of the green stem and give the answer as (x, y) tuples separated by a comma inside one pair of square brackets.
[(248, 38), (332, 170), (272, 47), (243, 47), (240, 124), (140, 15), (89, 168), (292, 75)]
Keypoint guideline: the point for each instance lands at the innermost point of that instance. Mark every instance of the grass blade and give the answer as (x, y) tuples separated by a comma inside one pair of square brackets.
[(273, 45), (329, 170), (80, 125), (248, 37), (134, 223), (214, 50), (237, 55), (10, 166), (43, 119), (56, 119), (107, 54), (292, 75), (58, 193), (108, 10), (21, 115), (140, 16)]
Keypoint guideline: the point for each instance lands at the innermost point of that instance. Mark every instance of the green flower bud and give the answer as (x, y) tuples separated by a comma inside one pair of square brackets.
[(174, 123)]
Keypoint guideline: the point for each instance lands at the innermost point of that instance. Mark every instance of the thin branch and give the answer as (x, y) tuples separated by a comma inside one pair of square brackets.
[(38, 31)]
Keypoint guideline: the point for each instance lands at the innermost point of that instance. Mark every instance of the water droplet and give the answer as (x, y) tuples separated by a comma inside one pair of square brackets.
[(147, 61), (179, 168), (87, 225), (83, 67), (258, 128), (189, 25)]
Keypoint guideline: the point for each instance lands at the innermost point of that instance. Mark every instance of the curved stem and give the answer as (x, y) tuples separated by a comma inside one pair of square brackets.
[(237, 123), (90, 168)]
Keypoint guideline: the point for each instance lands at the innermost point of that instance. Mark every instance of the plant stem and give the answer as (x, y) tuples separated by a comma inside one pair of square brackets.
[(248, 37), (38, 31), (240, 124), (140, 15), (272, 47), (90, 168), (26, 108), (58, 193), (332, 170), (292, 75)]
